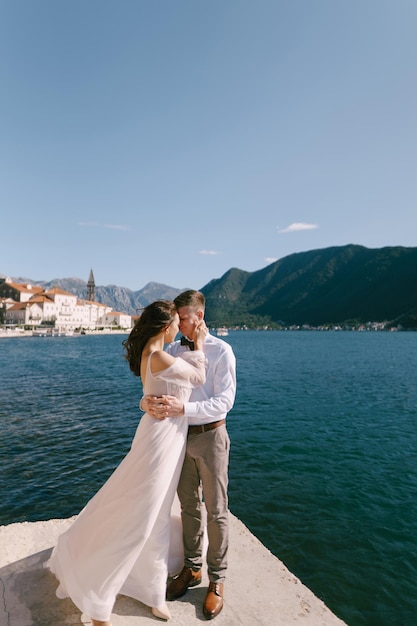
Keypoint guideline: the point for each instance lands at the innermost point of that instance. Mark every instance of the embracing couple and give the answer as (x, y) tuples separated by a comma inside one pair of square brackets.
[(120, 541)]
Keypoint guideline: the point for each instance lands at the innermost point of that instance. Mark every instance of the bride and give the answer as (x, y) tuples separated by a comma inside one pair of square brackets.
[(119, 543)]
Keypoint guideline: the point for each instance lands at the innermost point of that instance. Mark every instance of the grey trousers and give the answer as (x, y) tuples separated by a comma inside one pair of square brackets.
[(205, 472)]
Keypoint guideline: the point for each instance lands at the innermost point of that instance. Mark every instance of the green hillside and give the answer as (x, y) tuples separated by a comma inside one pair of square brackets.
[(328, 286)]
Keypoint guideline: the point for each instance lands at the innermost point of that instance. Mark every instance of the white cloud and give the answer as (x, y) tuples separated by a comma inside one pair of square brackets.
[(297, 226), (270, 259), (210, 252), (116, 226), (98, 225)]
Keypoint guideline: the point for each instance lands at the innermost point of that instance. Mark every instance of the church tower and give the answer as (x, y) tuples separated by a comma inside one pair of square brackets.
[(91, 288)]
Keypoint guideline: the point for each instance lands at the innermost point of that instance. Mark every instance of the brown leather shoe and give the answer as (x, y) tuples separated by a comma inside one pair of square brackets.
[(213, 603), (179, 585)]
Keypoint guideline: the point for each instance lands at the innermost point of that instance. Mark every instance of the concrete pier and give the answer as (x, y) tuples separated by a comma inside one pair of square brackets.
[(259, 588)]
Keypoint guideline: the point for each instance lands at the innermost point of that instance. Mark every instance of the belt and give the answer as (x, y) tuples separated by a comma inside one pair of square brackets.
[(195, 430)]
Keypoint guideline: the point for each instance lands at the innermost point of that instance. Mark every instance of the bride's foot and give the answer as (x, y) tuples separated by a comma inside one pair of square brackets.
[(161, 611), (96, 622)]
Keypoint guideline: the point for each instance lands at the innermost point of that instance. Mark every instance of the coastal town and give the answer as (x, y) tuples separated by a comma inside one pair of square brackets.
[(31, 310), (27, 309)]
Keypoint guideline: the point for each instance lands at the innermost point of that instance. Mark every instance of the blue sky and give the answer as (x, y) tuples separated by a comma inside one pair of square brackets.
[(170, 140)]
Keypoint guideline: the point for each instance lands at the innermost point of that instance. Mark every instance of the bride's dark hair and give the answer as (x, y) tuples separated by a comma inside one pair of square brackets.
[(155, 317)]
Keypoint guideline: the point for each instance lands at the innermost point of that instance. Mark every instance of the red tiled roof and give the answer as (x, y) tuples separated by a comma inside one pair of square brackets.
[(18, 306), (42, 297), (59, 292), (25, 287), (80, 301)]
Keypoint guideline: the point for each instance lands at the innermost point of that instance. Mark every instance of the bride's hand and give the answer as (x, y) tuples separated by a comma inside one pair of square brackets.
[(200, 333)]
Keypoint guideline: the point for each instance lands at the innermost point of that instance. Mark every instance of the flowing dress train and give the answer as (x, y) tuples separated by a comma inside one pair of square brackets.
[(119, 543)]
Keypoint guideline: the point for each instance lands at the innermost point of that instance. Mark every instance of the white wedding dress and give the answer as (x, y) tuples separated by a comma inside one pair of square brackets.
[(120, 541)]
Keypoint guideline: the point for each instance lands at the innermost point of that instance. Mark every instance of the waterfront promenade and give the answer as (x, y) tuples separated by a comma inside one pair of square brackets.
[(259, 589), (7, 334)]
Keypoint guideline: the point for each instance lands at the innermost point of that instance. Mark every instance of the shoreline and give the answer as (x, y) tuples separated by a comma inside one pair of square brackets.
[(29, 333), (259, 588)]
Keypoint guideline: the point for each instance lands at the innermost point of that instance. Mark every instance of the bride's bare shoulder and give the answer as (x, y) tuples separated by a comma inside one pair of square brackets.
[(160, 361)]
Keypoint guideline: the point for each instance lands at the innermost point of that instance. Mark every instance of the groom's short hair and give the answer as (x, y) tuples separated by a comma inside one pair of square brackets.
[(191, 298)]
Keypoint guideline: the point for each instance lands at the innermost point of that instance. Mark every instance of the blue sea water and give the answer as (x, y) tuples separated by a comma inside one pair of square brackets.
[(323, 466)]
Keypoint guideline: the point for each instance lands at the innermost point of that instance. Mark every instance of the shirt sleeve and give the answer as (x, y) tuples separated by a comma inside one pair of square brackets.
[(222, 398)]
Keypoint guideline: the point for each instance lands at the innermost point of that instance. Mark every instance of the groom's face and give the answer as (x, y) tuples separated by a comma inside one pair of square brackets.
[(189, 317)]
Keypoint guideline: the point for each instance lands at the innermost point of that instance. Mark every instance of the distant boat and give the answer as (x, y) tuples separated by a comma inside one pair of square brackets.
[(222, 331), (42, 332), (52, 332)]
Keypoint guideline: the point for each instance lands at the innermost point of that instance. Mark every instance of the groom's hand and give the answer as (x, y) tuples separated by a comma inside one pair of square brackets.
[(161, 407), (174, 406), (153, 406)]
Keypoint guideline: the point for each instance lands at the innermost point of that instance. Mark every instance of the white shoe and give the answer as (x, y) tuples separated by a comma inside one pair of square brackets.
[(162, 612)]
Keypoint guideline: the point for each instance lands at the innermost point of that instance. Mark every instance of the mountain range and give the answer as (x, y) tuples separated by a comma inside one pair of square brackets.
[(118, 298), (336, 285)]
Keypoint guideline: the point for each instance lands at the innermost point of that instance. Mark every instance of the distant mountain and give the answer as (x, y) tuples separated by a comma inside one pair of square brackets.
[(118, 298), (351, 284), (332, 285)]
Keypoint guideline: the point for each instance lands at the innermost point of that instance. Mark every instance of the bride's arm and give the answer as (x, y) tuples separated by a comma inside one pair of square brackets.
[(191, 367)]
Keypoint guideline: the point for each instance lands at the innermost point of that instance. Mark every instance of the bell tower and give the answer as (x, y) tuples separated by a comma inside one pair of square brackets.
[(91, 288)]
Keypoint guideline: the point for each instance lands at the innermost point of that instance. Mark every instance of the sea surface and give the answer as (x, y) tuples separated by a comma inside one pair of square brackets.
[(323, 466)]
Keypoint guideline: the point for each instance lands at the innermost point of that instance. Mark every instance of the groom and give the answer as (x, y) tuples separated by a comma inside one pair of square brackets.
[(206, 460)]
